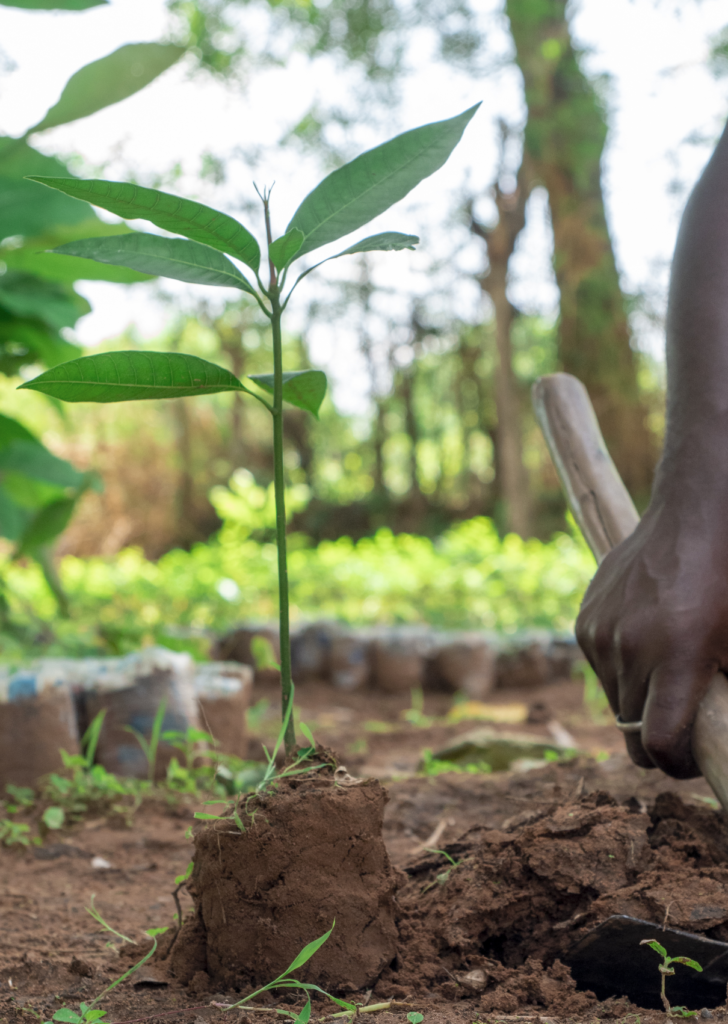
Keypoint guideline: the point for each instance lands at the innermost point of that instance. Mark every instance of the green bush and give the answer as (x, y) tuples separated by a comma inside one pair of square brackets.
[(468, 578)]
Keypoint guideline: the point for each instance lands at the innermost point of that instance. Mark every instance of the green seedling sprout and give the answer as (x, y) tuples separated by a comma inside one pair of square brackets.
[(285, 980), (443, 876), (415, 1018), (346, 200), (88, 1012), (149, 746), (666, 969)]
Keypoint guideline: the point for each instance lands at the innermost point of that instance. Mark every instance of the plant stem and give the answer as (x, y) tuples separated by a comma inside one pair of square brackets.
[(280, 496)]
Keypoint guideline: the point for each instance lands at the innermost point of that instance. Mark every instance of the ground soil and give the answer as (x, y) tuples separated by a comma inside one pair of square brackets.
[(541, 855)]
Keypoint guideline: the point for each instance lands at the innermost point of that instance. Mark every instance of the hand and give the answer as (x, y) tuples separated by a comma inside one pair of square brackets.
[(654, 622)]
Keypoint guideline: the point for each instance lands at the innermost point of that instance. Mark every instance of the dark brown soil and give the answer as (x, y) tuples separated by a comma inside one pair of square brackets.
[(312, 853), (535, 852)]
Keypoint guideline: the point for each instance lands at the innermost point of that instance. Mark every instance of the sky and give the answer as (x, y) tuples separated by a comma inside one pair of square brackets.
[(659, 95)]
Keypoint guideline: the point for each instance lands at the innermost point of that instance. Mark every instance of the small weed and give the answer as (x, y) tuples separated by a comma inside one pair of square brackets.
[(87, 1012), (415, 1018), (415, 714), (151, 745), (286, 981), (12, 832), (443, 876), (666, 969), (432, 765)]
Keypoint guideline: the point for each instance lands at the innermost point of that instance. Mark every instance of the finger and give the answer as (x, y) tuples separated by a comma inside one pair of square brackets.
[(674, 694), (633, 674)]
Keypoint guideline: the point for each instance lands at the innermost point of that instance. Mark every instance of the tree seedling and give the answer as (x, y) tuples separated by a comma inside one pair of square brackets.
[(343, 202), (666, 969)]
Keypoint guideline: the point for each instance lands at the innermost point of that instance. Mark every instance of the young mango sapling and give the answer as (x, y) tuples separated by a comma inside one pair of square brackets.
[(344, 201)]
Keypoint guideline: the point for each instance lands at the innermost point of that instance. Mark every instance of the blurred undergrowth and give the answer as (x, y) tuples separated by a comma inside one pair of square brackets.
[(467, 578)]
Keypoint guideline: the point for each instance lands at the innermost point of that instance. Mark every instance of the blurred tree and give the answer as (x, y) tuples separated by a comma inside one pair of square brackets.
[(564, 139)]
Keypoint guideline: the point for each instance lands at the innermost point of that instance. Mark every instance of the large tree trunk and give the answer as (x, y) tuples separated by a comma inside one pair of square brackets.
[(500, 240), (564, 138)]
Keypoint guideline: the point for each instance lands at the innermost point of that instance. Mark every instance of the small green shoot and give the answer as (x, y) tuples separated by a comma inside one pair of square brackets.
[(415, 1018), (415, 714), (443, 876), (90, 739), (263, 655), (88, 1013), (432, 765), (666, 969), (189, 743), (181, 879), (286, 981), (12, 832), (104, 924), (150, 746)]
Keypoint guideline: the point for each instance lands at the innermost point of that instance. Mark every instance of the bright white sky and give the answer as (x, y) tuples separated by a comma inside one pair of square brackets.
[(660, 94)]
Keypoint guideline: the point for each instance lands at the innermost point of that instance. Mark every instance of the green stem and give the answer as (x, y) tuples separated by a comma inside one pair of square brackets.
[(274, 292)]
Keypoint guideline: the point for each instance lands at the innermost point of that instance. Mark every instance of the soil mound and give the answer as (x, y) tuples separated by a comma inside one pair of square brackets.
[(312, 852), (483, 921)]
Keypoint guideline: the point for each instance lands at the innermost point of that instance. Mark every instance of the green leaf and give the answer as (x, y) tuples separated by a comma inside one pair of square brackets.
[(415, 1018), (29, 296), (305, 1014), (32, 341), (11, 430), (54, 817), (46, 525), (67, 1016), (303, 388), (152, 932), (204, 816), (133, 376), (172, 213), (386, 241), (687, 961), (308, 951), (359, 191), (285, 248), (166, 257), (34, 257), (188, 872), (109, 80), (654, 944), (54, 5), (307, 733), (13, 518), (33, 460)]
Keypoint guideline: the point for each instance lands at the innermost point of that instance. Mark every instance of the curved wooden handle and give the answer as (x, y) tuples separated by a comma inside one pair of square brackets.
[(606, 515)]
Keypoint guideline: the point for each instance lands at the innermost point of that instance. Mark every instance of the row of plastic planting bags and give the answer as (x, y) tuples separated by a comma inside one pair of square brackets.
[(398, 660), (48, 706)]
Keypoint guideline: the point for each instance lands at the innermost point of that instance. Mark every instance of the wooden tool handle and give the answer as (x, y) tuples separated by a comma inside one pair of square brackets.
[(606, 515)]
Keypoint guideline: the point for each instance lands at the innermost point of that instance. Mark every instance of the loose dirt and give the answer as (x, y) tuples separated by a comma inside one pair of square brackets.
[(539, 856)]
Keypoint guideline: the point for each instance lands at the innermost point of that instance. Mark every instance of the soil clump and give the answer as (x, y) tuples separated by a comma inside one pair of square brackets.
[(311, 852)]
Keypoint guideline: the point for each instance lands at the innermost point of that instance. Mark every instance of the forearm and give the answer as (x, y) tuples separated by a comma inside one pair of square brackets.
[(696, 440)]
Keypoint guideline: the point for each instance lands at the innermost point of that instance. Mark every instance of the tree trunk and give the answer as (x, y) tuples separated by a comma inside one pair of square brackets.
[(500, 240), (564, 138)]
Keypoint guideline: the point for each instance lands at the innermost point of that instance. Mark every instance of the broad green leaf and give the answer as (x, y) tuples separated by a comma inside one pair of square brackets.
[(109, 80), (11, 430), (132, 376), (31, 341), (13, 518), (67, 1016), (29, 296), (26, 208), (308, 951), (54, 817), (359, 191), (33, 460), (304, 388), (285, 248), (34, 257), (54, 5), (386, 241), (172, 213), (165, 257), (46, 525)]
